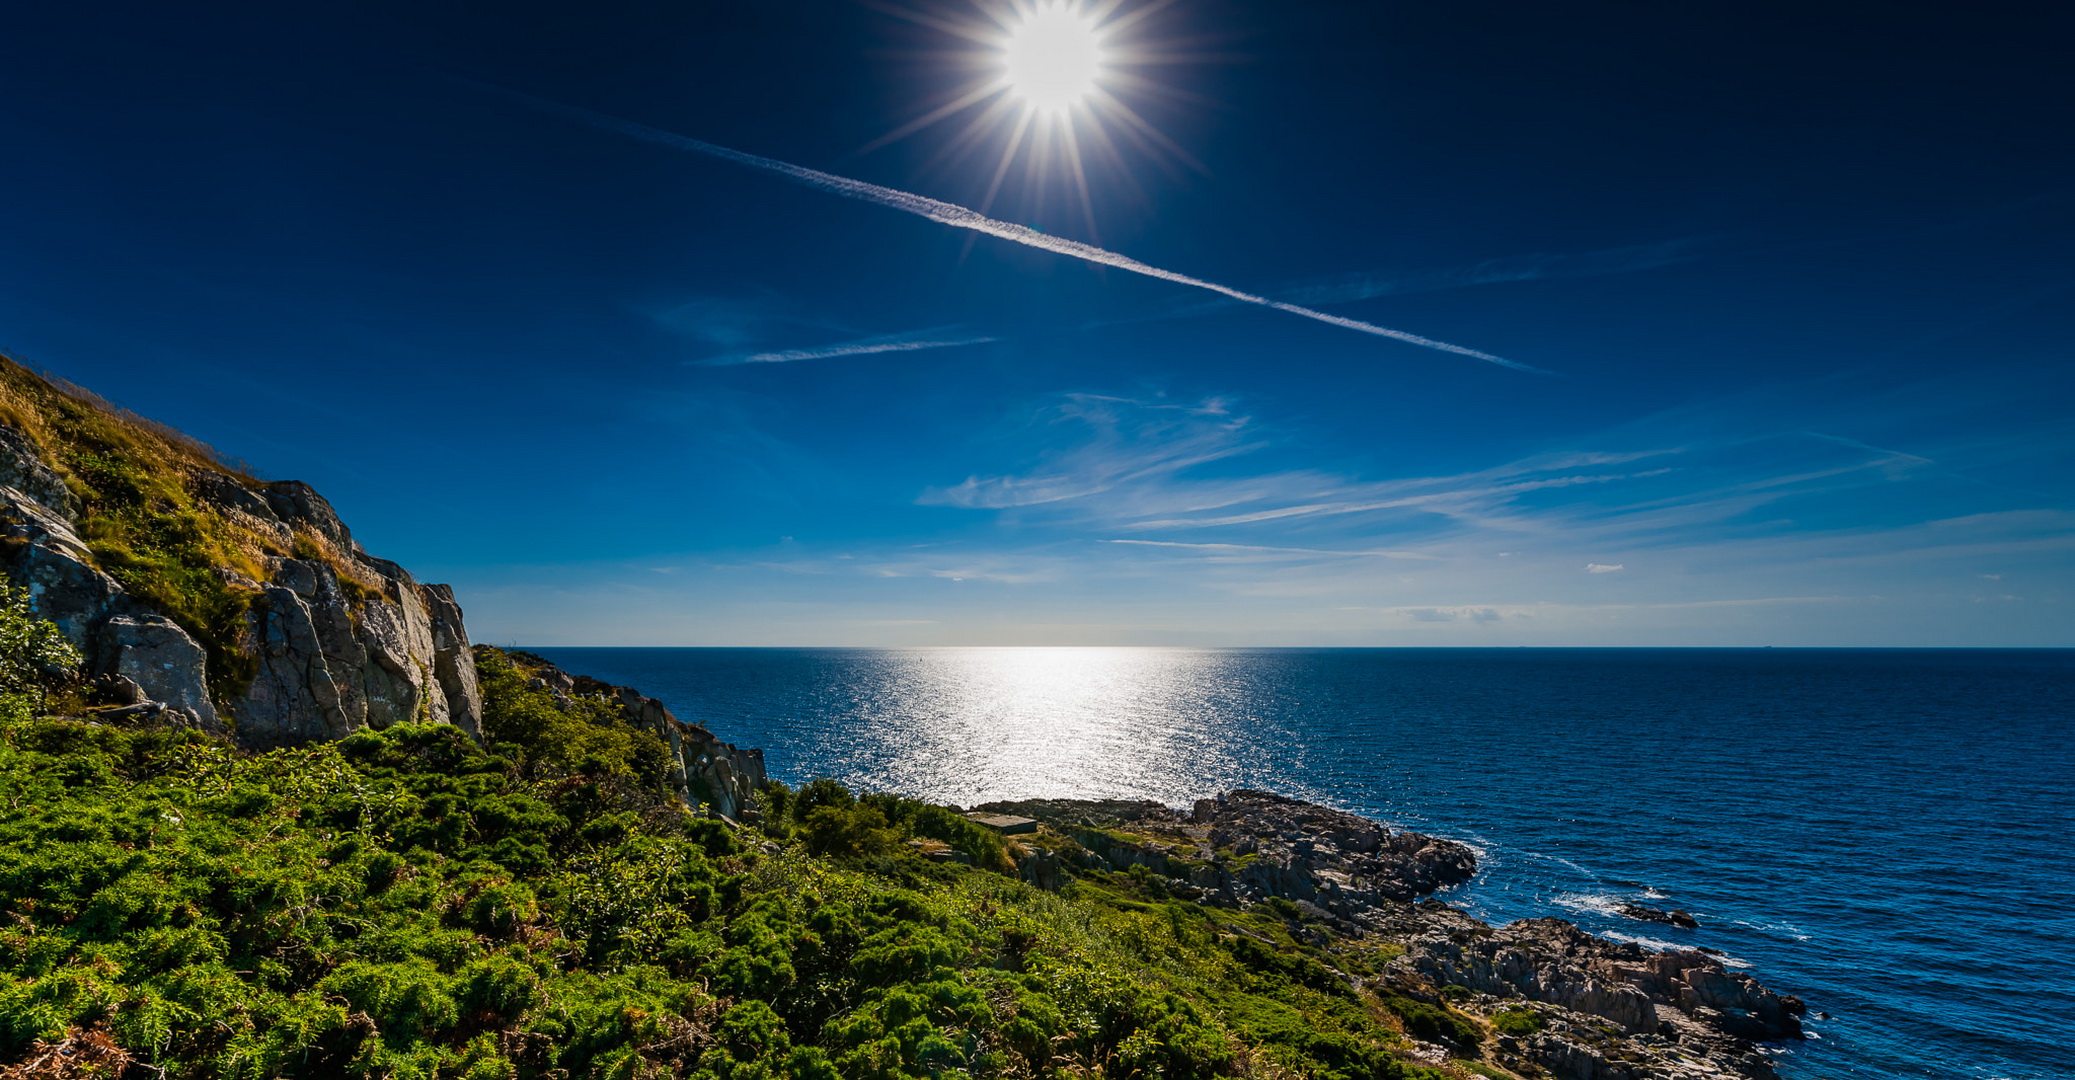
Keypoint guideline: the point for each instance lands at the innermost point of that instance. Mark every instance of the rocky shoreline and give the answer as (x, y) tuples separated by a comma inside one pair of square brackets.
[(276, 628), (1576, 1006)]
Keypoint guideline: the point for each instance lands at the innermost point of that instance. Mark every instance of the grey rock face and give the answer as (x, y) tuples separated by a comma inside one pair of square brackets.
[(1611, 1010), (1351, 869), (161, 662), (1343, 863), (332, 656), (704, 770), (1664, 1002), (22, 469)]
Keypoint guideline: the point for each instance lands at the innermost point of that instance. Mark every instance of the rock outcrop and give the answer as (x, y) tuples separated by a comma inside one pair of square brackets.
[(1668, 1005), (1606, 1010), (331, 640), (703, 768), (1246, 846)]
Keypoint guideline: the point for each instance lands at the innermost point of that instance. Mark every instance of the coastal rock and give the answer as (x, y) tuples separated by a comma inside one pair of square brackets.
[(157, 661), (1656, 915), (1345, 864), (703, 769), (333, 641), (1611, 989), (1245, 846), (1610, 1010)]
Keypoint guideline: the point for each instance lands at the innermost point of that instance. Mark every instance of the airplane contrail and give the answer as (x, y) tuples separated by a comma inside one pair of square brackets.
[(863, 347), (959, 217)]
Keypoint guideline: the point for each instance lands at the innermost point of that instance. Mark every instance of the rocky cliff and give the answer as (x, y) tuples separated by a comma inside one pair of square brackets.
[(197, 590), (703, 769), (1582, 1007)]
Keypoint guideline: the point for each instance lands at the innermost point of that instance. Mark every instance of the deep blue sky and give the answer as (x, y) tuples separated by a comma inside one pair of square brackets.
[(1800, 272)]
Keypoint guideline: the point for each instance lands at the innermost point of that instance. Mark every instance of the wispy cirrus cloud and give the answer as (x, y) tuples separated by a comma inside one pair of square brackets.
[(1354, 287), (911, 341), (1121, 443), (1691, 498), (1253, 552), (960, 217)]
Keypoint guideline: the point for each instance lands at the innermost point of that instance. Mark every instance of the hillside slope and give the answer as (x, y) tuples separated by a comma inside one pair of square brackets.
[(241, 604)]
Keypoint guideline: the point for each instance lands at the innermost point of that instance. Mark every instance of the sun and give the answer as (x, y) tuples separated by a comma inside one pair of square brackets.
[(1052, 58), (1050, 83)]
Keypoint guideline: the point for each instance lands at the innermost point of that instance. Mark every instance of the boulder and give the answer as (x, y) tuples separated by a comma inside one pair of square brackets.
[(153, 655)]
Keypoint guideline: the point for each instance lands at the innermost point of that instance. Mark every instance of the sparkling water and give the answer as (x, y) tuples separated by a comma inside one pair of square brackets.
[(1885, 833)]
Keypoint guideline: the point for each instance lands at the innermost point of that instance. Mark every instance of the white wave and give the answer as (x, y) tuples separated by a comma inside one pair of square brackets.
[(1789, 929), (1608, 904), (1646, 942)]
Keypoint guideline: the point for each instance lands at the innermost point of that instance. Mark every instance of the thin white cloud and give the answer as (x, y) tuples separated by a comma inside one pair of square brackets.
[(1355, 287), (1601, 568), (1126, 443), (910, 342), (1887, 455), (1350, 288), (959, 217), (1379, 554), (1449, 614)]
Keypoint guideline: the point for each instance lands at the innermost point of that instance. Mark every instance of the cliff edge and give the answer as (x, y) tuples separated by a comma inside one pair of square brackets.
[(196, 590)]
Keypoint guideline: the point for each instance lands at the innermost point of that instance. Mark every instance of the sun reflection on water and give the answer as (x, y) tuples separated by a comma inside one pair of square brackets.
[(969, 725)]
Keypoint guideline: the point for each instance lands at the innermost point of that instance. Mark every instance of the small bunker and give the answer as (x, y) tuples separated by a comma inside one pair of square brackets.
[(1006, 824)]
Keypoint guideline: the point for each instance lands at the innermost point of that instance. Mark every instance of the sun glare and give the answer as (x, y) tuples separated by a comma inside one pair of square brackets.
[(1048, 85), (1052, 59)]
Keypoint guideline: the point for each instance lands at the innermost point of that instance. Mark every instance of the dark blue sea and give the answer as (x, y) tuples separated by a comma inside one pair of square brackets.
[(1885, 833)]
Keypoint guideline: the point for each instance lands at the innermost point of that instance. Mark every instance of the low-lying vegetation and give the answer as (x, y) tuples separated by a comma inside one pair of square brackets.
[(406, 903)]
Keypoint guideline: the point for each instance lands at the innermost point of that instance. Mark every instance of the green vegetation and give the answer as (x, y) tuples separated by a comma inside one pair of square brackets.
[(34, 656), (406, 903), (1517, 1021), (136, 483), (538, 732)]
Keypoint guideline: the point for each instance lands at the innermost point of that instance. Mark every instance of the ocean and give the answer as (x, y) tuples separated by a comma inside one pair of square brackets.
[(1885, 833)]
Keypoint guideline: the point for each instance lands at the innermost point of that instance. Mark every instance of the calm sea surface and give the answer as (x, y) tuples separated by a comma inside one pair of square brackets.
[(1885, 833)]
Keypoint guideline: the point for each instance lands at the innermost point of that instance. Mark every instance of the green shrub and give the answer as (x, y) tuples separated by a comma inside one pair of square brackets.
[(1434, 1023), (1517, 1021), (35, 656), (585, 735), (405, 904)]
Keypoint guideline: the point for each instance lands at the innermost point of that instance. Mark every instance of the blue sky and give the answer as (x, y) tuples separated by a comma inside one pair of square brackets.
[(1795, 277)]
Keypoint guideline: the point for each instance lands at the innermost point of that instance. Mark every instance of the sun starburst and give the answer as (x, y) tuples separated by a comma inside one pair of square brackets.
[(1047, 84)]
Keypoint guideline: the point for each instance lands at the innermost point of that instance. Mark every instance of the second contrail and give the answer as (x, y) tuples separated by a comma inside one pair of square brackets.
[(960, 217)]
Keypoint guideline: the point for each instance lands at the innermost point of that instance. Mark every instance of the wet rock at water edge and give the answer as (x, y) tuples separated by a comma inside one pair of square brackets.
[(1658, 915)]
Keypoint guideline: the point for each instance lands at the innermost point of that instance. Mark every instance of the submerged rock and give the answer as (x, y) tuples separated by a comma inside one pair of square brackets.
[(1656, 915)]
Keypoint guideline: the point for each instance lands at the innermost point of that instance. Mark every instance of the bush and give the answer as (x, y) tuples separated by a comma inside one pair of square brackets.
[(1434, 1023), (848, 832), (1517, 1021), (35, 656), (585, 735)]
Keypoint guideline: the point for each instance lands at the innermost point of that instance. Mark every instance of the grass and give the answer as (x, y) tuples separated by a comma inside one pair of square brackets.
[(135, 483)]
